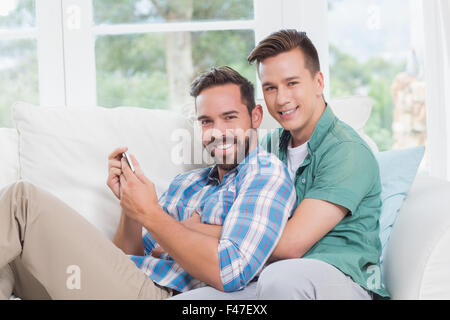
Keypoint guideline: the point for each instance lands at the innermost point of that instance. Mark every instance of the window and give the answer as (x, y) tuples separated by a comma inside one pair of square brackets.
[(379, 52), (147, 52), (141, 53), (18, 56)]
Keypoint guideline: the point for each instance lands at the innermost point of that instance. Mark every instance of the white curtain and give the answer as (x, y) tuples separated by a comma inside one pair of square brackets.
[(437, 66)]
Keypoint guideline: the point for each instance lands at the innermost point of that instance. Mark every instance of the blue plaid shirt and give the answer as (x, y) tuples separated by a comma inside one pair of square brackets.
[(252, 203)]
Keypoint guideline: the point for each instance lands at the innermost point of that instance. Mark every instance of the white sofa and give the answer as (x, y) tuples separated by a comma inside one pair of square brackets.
[(64, 150)]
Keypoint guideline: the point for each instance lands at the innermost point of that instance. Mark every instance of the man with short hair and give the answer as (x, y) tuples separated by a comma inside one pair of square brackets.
[(330, 248), (215, 226), (332, 240)]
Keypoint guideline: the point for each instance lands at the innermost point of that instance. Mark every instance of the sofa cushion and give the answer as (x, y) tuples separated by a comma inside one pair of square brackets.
[(9, 169), (355, 111), (65, 151), (398, 168)]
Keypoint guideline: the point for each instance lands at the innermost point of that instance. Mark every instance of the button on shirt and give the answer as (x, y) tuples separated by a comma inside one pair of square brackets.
[(340, 168), (253, 203)]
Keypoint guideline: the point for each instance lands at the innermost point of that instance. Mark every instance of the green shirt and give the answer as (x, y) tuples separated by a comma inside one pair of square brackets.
[(340, 168)]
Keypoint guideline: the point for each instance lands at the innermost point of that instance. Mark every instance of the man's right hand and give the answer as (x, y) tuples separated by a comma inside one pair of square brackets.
[(115, 170)]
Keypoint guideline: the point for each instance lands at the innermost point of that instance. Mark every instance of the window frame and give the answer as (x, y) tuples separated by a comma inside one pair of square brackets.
[(269, 16), (48, 35)]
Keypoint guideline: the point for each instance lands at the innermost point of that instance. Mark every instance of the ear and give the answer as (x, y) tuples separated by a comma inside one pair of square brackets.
[(320, 83), (257, 116)]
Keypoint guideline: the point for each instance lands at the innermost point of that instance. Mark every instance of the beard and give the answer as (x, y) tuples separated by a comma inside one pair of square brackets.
[(229, 161), (237, 157)]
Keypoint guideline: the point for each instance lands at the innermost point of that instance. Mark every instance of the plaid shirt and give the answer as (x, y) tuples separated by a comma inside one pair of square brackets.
[(253, 203)]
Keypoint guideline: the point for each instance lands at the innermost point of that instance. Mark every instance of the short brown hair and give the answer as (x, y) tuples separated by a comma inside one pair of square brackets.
[(221, 76), (283, 41)]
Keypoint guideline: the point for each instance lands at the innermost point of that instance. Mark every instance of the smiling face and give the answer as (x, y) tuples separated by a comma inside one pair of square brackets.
[(293, 96), (227, 127)]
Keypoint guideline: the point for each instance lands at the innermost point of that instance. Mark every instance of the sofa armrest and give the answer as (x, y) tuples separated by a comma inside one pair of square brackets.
[(417, 263)]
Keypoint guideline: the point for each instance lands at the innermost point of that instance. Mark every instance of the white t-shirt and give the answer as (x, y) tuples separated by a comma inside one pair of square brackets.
[(295, 157)]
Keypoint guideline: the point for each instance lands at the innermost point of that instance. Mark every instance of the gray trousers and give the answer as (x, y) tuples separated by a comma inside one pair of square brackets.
[(294, 279)]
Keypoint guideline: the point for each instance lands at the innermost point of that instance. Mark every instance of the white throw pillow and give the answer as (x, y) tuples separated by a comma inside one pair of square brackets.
[(354, 110), (9, 160), (65, 151)]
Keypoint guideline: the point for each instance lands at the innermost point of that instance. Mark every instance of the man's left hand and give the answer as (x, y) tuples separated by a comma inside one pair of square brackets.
[(138, 196)]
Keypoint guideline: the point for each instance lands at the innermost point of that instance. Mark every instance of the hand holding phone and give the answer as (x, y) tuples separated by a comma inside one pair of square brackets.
[(127, 157), (115, 170)]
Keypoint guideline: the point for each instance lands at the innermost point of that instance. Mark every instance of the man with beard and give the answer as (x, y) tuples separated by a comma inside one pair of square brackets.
[(242, 202)]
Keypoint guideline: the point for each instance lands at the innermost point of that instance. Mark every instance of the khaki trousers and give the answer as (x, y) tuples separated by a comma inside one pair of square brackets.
[(49, 251)]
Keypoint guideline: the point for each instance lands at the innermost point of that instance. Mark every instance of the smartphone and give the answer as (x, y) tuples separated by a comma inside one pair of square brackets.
[(125, 154)]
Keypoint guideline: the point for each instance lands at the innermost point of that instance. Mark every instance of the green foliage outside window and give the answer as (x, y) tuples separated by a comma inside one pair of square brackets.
[(372, 78)]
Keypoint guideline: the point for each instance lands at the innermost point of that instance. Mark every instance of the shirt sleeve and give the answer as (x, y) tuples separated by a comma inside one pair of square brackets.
[(148, 242), (345, 175), (253, 226)]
